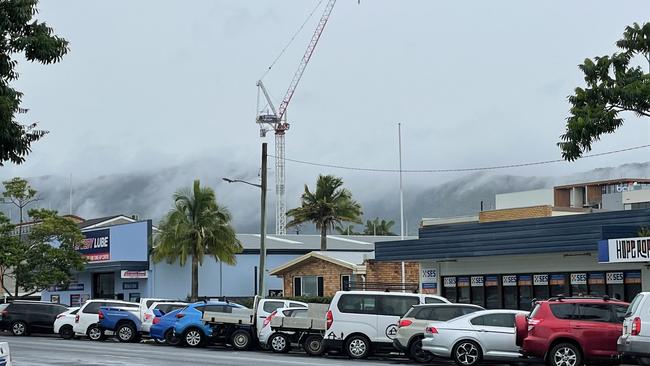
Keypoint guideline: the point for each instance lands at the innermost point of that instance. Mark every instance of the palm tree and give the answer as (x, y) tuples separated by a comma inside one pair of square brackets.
[(327, 206), (196, 226), (376, 227)]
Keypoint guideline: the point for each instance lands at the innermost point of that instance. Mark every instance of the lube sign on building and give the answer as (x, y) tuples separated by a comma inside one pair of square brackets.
[(624, 250)]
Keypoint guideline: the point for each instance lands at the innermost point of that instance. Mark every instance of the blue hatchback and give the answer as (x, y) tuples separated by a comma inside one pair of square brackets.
[(189, 326), (162, 330)]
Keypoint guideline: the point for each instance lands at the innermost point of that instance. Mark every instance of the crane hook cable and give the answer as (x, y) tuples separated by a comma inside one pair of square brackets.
[(318, 4)]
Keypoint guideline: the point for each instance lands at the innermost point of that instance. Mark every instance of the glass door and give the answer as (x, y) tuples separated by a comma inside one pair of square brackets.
[(104, 285)]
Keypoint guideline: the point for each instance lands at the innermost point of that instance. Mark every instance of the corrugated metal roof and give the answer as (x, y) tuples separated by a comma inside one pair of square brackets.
[(312, 242), (575, 233)]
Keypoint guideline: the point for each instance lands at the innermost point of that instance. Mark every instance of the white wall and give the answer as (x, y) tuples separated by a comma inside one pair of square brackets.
[(538, 197), (642, 195)]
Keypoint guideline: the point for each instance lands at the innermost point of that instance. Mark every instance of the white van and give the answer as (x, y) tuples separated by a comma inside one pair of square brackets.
[(360, 322)]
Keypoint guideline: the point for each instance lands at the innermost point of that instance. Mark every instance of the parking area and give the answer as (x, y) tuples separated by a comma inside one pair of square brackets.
[(50, 350)]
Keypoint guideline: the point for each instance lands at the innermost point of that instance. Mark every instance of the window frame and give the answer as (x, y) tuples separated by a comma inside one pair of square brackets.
[(320, 286)]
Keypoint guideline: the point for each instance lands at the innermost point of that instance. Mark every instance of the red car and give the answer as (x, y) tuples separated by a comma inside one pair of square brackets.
[(569, 331)]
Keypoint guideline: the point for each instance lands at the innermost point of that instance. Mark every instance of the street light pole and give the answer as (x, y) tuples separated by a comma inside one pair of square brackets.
[(262, 187), (262, 223)]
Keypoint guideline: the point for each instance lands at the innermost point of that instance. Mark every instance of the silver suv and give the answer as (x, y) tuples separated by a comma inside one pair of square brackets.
[(411, 326), (635, 341)]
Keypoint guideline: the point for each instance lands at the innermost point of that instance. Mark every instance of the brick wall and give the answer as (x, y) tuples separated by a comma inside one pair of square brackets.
[(391, 272), (330, 272), (515, 213)]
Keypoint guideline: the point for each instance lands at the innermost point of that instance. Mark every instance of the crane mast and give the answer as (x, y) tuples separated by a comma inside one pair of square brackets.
[(276, 120)]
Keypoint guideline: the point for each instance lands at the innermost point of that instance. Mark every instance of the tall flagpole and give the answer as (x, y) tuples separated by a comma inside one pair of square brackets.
[(401, 199)]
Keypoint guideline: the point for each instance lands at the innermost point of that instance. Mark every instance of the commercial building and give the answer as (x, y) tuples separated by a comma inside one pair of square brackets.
[(120, 266), (508, 263)]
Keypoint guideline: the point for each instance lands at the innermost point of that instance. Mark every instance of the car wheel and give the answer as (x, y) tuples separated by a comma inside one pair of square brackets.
[(313, 345), (279, 343), (193, 337), (95, 333), (357, 347), (66, 332), (171, 339), (241, 340), (126, 333), (565, 354), (467, 353), (643, 361), (418, 354), (19, 328)]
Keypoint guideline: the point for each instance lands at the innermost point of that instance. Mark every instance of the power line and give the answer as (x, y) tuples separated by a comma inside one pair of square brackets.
[(452, 170)]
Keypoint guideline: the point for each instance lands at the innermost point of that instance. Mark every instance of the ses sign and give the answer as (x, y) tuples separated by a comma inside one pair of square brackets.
[(624, 250), (96, 245), (429, 279)]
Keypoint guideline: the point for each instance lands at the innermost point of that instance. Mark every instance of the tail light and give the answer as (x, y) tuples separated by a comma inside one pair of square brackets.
[(76, 318), (431, 330), (156, 320), (532, 323), (179, 315), (405, 323), (330, 319), (101, 315), (148, 317), (269, 318), (5, 313), (636, 326)]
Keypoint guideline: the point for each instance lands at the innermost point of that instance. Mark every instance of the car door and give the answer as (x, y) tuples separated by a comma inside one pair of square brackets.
[(390, 309), (37, 317), (264, 309), (88, 316), (594, 325), (497, 334)]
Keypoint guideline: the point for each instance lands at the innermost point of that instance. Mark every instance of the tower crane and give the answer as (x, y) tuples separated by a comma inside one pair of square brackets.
[(276, 120)]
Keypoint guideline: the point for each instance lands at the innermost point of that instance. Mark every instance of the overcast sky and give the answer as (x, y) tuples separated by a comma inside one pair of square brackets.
[(153, 84)]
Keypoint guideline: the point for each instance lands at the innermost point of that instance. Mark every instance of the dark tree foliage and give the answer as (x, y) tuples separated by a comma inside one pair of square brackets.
[(21, 34), (613, 85)]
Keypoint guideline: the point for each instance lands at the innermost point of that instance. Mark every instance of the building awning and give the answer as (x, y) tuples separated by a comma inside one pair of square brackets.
[(117, 266)]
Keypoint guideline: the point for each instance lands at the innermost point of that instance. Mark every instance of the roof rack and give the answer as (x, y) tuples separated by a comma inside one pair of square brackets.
[(562, 297)]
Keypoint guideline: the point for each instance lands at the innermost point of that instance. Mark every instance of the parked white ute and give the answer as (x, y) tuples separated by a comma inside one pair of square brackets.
[(635, 341), (359, 322), (64, 323), (5, 354), (468, 340), (87, 317)]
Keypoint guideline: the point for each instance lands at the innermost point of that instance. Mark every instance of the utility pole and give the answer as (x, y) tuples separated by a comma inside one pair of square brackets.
[(262, 222), (401, 200)]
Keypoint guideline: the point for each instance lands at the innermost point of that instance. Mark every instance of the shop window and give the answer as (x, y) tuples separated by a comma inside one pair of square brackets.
[(559, 285), (510, 295), (525, 285), (477, 290), (308, 286), (464, 291), (615, 285), (579, 284), (540, 287), (596, 283), (449, 289), (492, 292), (632, 285)]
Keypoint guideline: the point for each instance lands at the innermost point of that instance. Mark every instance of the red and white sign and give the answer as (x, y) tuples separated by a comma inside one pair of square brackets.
[(134, 274)]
